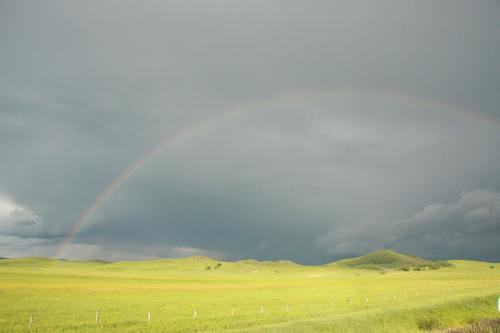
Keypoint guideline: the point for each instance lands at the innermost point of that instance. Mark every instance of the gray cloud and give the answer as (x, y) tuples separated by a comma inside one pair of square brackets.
[(86, 90), (467, 228), (26, 223), (13, 247), (17, 220)]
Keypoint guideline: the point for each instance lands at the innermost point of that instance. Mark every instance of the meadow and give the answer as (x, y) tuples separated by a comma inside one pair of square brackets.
[(183, 295)]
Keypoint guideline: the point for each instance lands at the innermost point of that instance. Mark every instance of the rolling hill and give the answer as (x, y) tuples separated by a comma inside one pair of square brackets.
[(382, 259)]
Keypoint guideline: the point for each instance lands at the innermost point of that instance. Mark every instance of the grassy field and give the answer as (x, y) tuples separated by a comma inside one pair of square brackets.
[(182, 295)]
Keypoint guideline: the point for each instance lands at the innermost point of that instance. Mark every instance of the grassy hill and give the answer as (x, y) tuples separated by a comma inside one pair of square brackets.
[(160, 266), (383, 259)]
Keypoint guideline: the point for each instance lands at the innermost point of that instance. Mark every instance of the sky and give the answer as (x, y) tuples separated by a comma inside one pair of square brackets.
[(302, 130)]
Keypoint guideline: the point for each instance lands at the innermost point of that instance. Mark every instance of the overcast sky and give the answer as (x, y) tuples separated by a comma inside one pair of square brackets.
[(368, 124)]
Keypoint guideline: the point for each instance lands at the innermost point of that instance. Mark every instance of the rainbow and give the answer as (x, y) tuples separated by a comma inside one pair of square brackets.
[(178, 136)]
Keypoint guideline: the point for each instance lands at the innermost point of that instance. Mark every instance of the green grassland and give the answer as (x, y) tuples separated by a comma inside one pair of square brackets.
[(365, 294)]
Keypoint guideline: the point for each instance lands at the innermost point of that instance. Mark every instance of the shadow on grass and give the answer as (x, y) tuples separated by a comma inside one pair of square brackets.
[(483, 326), (429, 324)]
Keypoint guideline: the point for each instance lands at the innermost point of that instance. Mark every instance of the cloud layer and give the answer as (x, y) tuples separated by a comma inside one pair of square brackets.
[(86, 91)]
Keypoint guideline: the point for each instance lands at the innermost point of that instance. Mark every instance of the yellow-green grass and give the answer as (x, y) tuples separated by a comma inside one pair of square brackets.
[(64, 296)]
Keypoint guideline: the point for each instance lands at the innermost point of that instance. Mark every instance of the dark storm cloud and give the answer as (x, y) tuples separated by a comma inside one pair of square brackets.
[(467, 228), (87, 88)]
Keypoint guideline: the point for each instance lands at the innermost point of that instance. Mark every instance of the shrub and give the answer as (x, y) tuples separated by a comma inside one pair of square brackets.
[(208, 268), (405, 268), (444, 263), (217, 265), (435, 265)]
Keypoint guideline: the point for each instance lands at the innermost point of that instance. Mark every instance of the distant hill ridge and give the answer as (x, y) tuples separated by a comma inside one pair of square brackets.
[(381, 259)]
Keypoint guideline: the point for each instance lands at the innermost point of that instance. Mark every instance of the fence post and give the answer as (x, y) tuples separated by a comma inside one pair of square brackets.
[(195, 314), (232, 312), (261, 309), (97, 316), (31, 322), (149, 315), (288, 308)]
